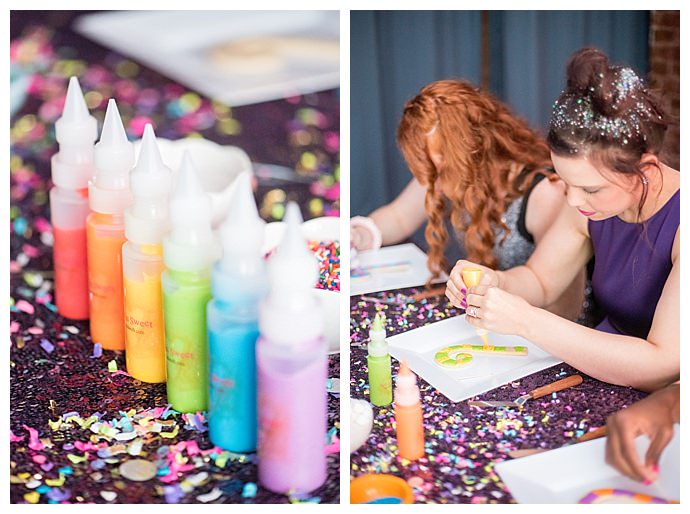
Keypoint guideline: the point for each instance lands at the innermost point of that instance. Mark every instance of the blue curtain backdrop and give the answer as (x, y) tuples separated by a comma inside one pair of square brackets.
[(394, 53)]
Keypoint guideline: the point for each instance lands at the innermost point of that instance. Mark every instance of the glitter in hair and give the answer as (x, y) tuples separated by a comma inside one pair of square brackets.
[(573, 113)]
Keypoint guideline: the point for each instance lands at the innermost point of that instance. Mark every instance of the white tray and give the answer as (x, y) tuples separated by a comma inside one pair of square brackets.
[(485, 372), (566, 475), (177, 44), (415, 273)]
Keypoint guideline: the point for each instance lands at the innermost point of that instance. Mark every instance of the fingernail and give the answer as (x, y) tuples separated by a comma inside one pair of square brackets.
[(463, 304), (463, 291), (655, 468), (647, 482)]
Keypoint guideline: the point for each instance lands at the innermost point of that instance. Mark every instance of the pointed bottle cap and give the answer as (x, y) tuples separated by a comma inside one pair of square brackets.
[(190, 207), (75, 109), (114, 154), (190, 245), (377, 347), (150, 177), (147, 220), (242, 232), (75, 126), (293, 270), (75, 131), (406, 390)]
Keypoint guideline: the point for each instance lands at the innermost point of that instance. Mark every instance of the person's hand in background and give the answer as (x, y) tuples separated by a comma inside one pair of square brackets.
[(654, 416)]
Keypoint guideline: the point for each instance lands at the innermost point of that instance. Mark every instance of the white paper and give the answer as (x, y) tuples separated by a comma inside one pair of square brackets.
[(568, 474), (414, 273), (177, 44), (486, 371)]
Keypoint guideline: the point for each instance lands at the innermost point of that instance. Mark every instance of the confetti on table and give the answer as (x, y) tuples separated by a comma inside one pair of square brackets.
[(75, 421)]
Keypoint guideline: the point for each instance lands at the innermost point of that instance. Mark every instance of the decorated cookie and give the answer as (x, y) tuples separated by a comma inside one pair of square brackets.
[(488, 348), (620, 496), (450, 357)]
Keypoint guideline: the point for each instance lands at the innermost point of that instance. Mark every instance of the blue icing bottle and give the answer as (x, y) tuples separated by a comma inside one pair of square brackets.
[(238, 281)]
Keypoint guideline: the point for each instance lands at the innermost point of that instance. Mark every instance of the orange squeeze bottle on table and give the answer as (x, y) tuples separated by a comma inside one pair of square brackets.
[(109, 196), (71, 168), (408, 415), (471, 277)]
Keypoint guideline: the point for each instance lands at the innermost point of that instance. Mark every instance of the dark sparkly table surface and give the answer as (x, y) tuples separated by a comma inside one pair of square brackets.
[(62, 392), (462, 443)]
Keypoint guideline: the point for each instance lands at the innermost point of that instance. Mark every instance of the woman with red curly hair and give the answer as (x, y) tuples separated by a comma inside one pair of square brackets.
[(477, 165)]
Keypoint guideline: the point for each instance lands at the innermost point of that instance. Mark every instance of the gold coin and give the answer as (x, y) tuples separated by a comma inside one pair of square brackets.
[(138, 470)]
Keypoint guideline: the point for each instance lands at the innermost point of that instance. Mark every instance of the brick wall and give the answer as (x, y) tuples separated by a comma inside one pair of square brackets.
[(664, 56)]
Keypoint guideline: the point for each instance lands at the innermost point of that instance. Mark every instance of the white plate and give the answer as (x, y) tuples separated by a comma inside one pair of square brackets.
[(179, 44), (567, 475), (487, 371), (413, 273)]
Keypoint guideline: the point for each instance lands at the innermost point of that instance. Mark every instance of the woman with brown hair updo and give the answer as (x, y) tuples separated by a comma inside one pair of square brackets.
[(482, 168), (605, 135)]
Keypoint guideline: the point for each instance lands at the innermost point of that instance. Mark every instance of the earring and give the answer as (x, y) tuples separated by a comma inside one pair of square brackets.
[(644, 181)]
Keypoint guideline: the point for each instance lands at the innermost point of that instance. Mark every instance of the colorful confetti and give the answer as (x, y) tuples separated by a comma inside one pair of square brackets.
[(463, 444), (76, 414)]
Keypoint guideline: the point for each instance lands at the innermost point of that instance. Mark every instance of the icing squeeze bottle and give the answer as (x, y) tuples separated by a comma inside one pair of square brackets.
[(471, 277), (239, 282), (408, 415), (379, 364), (146, 221), (292, 370), (189, 250), (109, 196), (71, 169)]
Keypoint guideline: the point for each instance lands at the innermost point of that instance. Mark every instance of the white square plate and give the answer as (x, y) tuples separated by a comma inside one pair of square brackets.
[(179, 44), (487, 371), (568, 474), (413, 273)]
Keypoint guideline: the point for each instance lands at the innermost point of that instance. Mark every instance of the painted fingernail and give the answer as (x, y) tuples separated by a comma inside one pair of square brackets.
[(655, 468), (463, 304), (463, 291), (647, 482)]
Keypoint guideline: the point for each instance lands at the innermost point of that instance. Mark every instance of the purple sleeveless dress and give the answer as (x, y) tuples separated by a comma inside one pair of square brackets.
[(631, 264)]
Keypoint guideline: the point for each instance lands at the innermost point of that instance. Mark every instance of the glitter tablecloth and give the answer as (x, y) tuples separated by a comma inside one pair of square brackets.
[(61, 390), (464, 443)]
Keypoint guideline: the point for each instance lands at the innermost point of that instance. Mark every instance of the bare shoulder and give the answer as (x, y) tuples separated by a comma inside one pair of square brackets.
[(675, 251), (543, 205)]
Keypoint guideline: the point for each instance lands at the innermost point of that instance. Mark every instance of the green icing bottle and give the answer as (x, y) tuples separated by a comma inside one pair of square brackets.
[(379, 363), (189, 250)]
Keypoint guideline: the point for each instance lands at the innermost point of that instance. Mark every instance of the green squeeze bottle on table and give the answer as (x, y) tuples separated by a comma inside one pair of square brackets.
[(379, 363), (189, 251)]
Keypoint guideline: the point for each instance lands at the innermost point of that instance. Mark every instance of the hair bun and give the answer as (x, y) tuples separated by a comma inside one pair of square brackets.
[(589, 73)]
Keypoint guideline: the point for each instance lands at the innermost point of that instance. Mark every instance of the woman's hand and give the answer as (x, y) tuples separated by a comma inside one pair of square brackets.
[(654, 416), (492, 308), (360, 238), (456, 289)]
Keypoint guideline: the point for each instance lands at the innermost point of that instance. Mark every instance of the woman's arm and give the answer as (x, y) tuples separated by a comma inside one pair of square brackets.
[(397, 220), (645, 364), (543, 206)]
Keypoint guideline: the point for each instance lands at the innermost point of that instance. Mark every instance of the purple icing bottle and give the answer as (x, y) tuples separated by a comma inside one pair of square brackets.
[(292, 370)]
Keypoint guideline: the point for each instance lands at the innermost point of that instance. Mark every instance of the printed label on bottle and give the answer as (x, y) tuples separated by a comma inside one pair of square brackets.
[(137, 326)]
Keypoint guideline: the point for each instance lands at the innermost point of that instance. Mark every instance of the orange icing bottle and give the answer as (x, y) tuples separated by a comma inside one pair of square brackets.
[(408, 415), (109, 196)]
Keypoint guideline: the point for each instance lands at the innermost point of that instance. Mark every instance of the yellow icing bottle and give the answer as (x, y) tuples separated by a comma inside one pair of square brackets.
[(471, 277), (146, 222)]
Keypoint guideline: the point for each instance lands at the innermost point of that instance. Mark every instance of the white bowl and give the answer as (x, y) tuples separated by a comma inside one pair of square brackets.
[(218, 166), (361, 422)]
